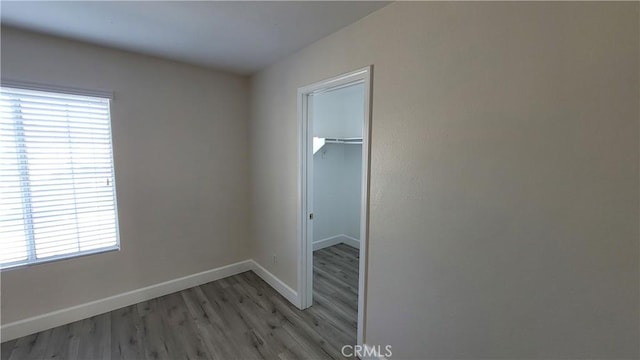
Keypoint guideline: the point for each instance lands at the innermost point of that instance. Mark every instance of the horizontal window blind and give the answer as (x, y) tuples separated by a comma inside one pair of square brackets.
[(57, 191)]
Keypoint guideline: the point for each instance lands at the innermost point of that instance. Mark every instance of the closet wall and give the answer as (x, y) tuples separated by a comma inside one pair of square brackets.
[(339, 113), (337, 167)]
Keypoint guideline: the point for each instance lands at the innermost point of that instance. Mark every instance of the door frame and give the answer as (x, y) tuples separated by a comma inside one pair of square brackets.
[(305, 182)]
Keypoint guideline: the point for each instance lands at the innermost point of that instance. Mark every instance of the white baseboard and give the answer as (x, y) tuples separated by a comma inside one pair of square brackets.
[(276, 283), (50, 320), (335, 240), (353, 242), (330, 241)]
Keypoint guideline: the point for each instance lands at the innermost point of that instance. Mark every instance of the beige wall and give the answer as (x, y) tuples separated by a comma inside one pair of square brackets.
[(504, 182), (504, 176), (181, 162)]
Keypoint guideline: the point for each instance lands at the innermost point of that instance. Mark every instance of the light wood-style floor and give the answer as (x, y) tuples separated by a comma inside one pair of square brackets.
[(240, 317)]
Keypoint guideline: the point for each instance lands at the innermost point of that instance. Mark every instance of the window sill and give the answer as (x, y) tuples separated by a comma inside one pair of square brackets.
[(22, 265)]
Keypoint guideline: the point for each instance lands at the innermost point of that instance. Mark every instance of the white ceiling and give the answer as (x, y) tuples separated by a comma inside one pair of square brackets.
[(241, 37)]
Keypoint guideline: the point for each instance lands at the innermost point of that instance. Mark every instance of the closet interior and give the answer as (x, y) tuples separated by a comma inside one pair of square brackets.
[(337, 166)]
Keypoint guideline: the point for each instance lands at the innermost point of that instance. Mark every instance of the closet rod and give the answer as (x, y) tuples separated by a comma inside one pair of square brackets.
[(343, 140)]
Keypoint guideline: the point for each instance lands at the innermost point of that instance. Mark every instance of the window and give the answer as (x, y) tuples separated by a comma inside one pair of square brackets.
[(57, 191)]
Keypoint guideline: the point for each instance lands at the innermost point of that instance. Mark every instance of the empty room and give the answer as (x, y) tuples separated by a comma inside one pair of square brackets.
[(319, 180)]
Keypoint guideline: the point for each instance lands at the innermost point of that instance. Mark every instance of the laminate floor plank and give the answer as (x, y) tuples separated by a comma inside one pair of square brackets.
[(349, 252), (331, 322), (335, 289), (58, 346), (152, 335), (31, 347), (276, 321), (182, 329), (6, 349), (239, 317), (337, 284), (91, 338), (216, 341), (232, 320), (327, 288), (126, 340), (341, 264), (263, 321), (334, 332), (254, 318), (304, 333)]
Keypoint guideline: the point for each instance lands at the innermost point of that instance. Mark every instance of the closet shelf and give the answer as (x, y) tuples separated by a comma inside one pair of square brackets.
[(354, 141), (319, 142)]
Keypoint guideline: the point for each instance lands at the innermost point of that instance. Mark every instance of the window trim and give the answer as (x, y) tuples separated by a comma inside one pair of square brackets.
[(28, 85), (104, 94), (56, 258)]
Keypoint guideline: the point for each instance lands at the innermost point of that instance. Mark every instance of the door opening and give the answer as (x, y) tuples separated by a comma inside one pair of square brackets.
[(335, 118)]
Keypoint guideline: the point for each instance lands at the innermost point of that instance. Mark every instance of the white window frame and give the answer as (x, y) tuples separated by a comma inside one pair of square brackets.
[(31, 254)]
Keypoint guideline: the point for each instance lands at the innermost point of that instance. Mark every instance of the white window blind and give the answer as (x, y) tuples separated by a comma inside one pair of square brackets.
[(57, 191)]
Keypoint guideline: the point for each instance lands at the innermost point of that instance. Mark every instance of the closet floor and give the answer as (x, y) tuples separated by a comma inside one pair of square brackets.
[(239, 317), (335, 289)]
